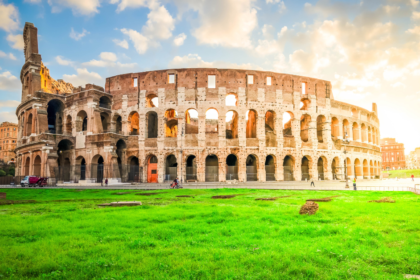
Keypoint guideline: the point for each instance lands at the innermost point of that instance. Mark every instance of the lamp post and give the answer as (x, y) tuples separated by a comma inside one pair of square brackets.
[(345, 143), (182, 140)]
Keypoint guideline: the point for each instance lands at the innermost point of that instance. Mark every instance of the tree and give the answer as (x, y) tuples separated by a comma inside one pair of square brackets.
[(2, 173)]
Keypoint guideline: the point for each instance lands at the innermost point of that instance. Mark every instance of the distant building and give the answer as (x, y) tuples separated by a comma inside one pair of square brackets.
[(393, 155), (413, 160), (8, 138)]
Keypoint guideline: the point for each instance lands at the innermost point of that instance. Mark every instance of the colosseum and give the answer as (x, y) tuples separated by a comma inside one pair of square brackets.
[(198, 124)]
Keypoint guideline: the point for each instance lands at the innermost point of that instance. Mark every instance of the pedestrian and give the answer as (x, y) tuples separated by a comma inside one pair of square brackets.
[(354, 184), (102, 182), (312, 182), (412, 177), (106, 182)]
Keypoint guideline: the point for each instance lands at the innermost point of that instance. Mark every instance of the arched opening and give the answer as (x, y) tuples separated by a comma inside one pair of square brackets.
[(29, 125), (364, 133), (152, 125), (55, 110), (288, 165), (251, 124), (27, 165), (152, 174), (357, 168), (81, 121), (356, 132), (335, 128), (37, 166), (80, 170), (304, 104), (212, 122), (251, 168), (305, 121), (231, 100), (232, 167), (68, 128), (270, 134), (64, 152), (369, 135), (105, 122), (305, 168), (337, 173), (98, 168), (191, 121), (66, 170), (118, 123), (320, 122), (171, 124), (152, 101), (346, 129), (191, 168), (212, 168), (171, 168), (287, 124), (365, 169), (321, 169), (270, 168), (348, 171), (134, 171), (231, 125), (133, 122), (105, 102), (121, 151)]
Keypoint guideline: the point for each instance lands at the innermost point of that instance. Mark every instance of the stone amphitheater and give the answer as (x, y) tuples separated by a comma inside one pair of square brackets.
[(198, 124)]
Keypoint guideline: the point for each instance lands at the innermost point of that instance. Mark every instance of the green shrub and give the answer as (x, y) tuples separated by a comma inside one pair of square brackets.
[(2, 173)]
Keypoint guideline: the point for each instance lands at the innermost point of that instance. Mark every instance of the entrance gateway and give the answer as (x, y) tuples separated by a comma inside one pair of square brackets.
[(152, 175)]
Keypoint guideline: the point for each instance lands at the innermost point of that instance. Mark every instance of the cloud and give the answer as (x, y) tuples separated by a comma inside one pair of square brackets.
[(415, 30), (158, 27), (9, 103), (9, 82), (140, 42), (122, 44), (16, 41), (33, 1), (108, 56), (179, 40), (398, 85), (83, 77), (415, 15), (8, 116), (10, 55), (78, 7), (195, 61), (123, 4), (9, 17), (60, 60), (77, 36), (227, 23)]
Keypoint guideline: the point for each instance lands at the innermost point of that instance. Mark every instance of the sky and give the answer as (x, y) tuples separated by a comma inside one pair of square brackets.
[(369, 50)]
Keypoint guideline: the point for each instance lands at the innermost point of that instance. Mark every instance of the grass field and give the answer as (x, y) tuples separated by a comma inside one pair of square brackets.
[(403, 173), (65, 235)]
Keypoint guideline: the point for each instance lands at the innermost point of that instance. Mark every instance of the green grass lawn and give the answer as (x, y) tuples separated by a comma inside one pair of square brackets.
[(65, 235), (403, 173)]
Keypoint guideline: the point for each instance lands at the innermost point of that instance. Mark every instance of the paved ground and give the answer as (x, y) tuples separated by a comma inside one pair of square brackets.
[(387, 184)]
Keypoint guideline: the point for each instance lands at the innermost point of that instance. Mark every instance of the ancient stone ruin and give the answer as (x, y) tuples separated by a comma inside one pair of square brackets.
[(198, 124)]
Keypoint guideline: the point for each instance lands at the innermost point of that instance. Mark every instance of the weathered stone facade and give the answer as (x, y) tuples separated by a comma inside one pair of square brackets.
[(145, 121)]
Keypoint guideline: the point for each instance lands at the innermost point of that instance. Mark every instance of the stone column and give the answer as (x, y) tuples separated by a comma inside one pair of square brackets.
[(296, 133), (242, 167), (261, 169), (314, 169), (297, 172), (222, 131), (222, 168), (279, 131), (312, 134), (31, 164), (242, 130), (261, 131), (327, 170), (161, 168), (201, 131)]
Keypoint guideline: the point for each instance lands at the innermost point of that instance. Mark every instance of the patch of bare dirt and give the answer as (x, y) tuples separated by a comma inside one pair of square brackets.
[(7, 202), (152, 193), (184, 196), (3, 195), (223, 196), (309, 208), (121, 193), (325, 199), (272, 198), (384, 200)]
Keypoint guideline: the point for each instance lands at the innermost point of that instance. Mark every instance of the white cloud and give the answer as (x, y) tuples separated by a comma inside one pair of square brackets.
[(122, 44), (78, 7), (9, 82), (16, 41), (195, 61), (398, 85), (60, 60), (227, 23), (9, 103), (266, 47), (415, 30), (83, 77), (268, 31), (179, 40), (9, 17), (8, 116), (140, 42), (33, 1), (123, 4), (108, 56), (10, 55), (77, 36), (415, 15)]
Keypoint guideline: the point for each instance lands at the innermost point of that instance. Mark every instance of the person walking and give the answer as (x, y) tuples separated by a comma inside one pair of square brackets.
[(102, 182), (312, 182), (412, 177), (106, 182), (354, 184)]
